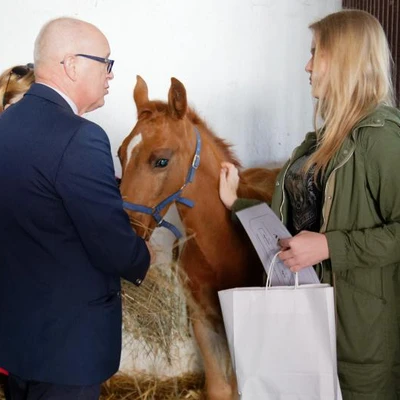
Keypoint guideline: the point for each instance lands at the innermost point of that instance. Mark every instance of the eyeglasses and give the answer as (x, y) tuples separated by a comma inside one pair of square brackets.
[(20, 71), (107, 61)]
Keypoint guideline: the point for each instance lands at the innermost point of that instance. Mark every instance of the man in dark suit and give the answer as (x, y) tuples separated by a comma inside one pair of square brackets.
[(65, 239)]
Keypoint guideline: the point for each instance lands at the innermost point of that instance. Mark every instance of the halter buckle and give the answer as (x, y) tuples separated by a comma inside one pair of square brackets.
[(196, 161), (160, 222)]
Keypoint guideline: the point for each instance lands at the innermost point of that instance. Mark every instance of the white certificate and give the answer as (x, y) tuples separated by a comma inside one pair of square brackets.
[(265, 229)]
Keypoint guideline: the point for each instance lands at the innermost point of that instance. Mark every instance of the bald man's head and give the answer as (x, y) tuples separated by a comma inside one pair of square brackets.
[(72, 56), (63, 36)]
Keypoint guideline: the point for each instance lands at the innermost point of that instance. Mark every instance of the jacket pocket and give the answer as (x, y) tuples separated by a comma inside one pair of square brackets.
[(361, 325)]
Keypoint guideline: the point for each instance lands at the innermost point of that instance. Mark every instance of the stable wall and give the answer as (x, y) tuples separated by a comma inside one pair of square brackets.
[(242, 62)]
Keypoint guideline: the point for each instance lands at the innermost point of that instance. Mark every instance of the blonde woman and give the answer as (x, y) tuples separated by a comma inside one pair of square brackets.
[(14, 83), (339, 195)]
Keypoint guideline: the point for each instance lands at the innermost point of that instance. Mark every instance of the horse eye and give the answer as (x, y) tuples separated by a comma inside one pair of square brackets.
[(161, 163)]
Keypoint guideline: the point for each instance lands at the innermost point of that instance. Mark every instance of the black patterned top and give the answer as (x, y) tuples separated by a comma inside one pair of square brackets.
[(304, 197)]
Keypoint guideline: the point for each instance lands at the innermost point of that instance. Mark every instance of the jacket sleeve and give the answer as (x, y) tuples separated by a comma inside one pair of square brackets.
[(86, 184), (241, 204), (380, 245)]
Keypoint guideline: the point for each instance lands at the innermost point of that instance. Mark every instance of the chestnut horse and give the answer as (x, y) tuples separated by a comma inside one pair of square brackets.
[(172, 156)]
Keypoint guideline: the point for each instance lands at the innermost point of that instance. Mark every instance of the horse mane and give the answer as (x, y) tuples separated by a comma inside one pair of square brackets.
[(224, 146)]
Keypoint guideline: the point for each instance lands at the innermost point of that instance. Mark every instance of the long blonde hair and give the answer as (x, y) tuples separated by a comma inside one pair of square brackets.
[(12, 84), (357, 80)]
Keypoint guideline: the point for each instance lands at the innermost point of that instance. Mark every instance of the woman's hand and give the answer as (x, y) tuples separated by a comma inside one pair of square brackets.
[(228, 184), (303, 250)]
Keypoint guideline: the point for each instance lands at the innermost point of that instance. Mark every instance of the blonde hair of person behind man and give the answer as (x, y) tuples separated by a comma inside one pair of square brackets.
[(17, 85), (357, 80)]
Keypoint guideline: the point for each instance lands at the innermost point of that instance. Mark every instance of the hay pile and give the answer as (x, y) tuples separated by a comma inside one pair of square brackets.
[(148, 387), (156, 312)]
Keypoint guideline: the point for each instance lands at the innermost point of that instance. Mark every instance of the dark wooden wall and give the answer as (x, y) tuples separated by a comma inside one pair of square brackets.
[(388, 13)]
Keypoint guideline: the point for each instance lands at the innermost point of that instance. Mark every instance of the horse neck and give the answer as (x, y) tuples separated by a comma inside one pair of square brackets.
[(209, 220), (217, 253)]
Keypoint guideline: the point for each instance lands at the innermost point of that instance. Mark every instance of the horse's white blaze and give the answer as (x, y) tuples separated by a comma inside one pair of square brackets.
[(132, 144)]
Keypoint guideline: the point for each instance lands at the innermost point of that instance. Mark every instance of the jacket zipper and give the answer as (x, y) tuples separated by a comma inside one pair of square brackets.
[(323, 217), (283, 185), (329, 178)]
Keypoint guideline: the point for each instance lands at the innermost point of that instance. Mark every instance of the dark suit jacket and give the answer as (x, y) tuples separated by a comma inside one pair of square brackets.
[(65, 241)]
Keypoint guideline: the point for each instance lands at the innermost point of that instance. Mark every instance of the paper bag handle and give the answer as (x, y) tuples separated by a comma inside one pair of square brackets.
[(271, 270)]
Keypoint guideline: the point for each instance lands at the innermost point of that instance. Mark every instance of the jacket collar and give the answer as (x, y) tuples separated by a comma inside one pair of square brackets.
[(308, 143), (47, 93), (379, 116), (375, 119)]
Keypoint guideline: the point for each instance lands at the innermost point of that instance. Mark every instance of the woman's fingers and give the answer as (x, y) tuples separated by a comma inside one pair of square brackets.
[(303, 250), (228, 184)]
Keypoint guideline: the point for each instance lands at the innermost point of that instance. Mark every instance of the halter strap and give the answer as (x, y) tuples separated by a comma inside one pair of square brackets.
[(175, 197)]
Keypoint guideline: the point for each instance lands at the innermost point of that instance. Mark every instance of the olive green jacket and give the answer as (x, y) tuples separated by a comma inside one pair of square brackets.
[(361, 220)]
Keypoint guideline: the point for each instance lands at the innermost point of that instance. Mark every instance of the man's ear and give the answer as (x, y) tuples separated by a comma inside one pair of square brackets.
[(69, 64)]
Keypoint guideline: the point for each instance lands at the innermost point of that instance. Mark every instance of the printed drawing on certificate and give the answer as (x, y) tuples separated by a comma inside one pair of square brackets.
[(265, 229)]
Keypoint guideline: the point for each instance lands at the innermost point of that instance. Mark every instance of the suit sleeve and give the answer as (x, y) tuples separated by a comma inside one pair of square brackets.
[(86, 183), (377, 246)]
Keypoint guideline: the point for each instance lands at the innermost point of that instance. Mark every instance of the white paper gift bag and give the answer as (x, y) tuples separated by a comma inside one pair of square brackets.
[(282, 341)]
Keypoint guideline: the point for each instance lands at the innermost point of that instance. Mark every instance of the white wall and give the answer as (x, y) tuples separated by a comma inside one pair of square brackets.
[(242, 62)]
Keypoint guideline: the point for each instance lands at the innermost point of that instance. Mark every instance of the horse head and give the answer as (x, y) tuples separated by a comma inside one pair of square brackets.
[(157, 156)]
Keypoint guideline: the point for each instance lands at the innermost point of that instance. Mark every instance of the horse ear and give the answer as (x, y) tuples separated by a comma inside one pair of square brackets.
[(140, 93), (177, 102)]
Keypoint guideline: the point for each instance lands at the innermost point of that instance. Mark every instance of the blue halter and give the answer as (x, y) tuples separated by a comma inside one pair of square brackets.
[(175, 197)]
